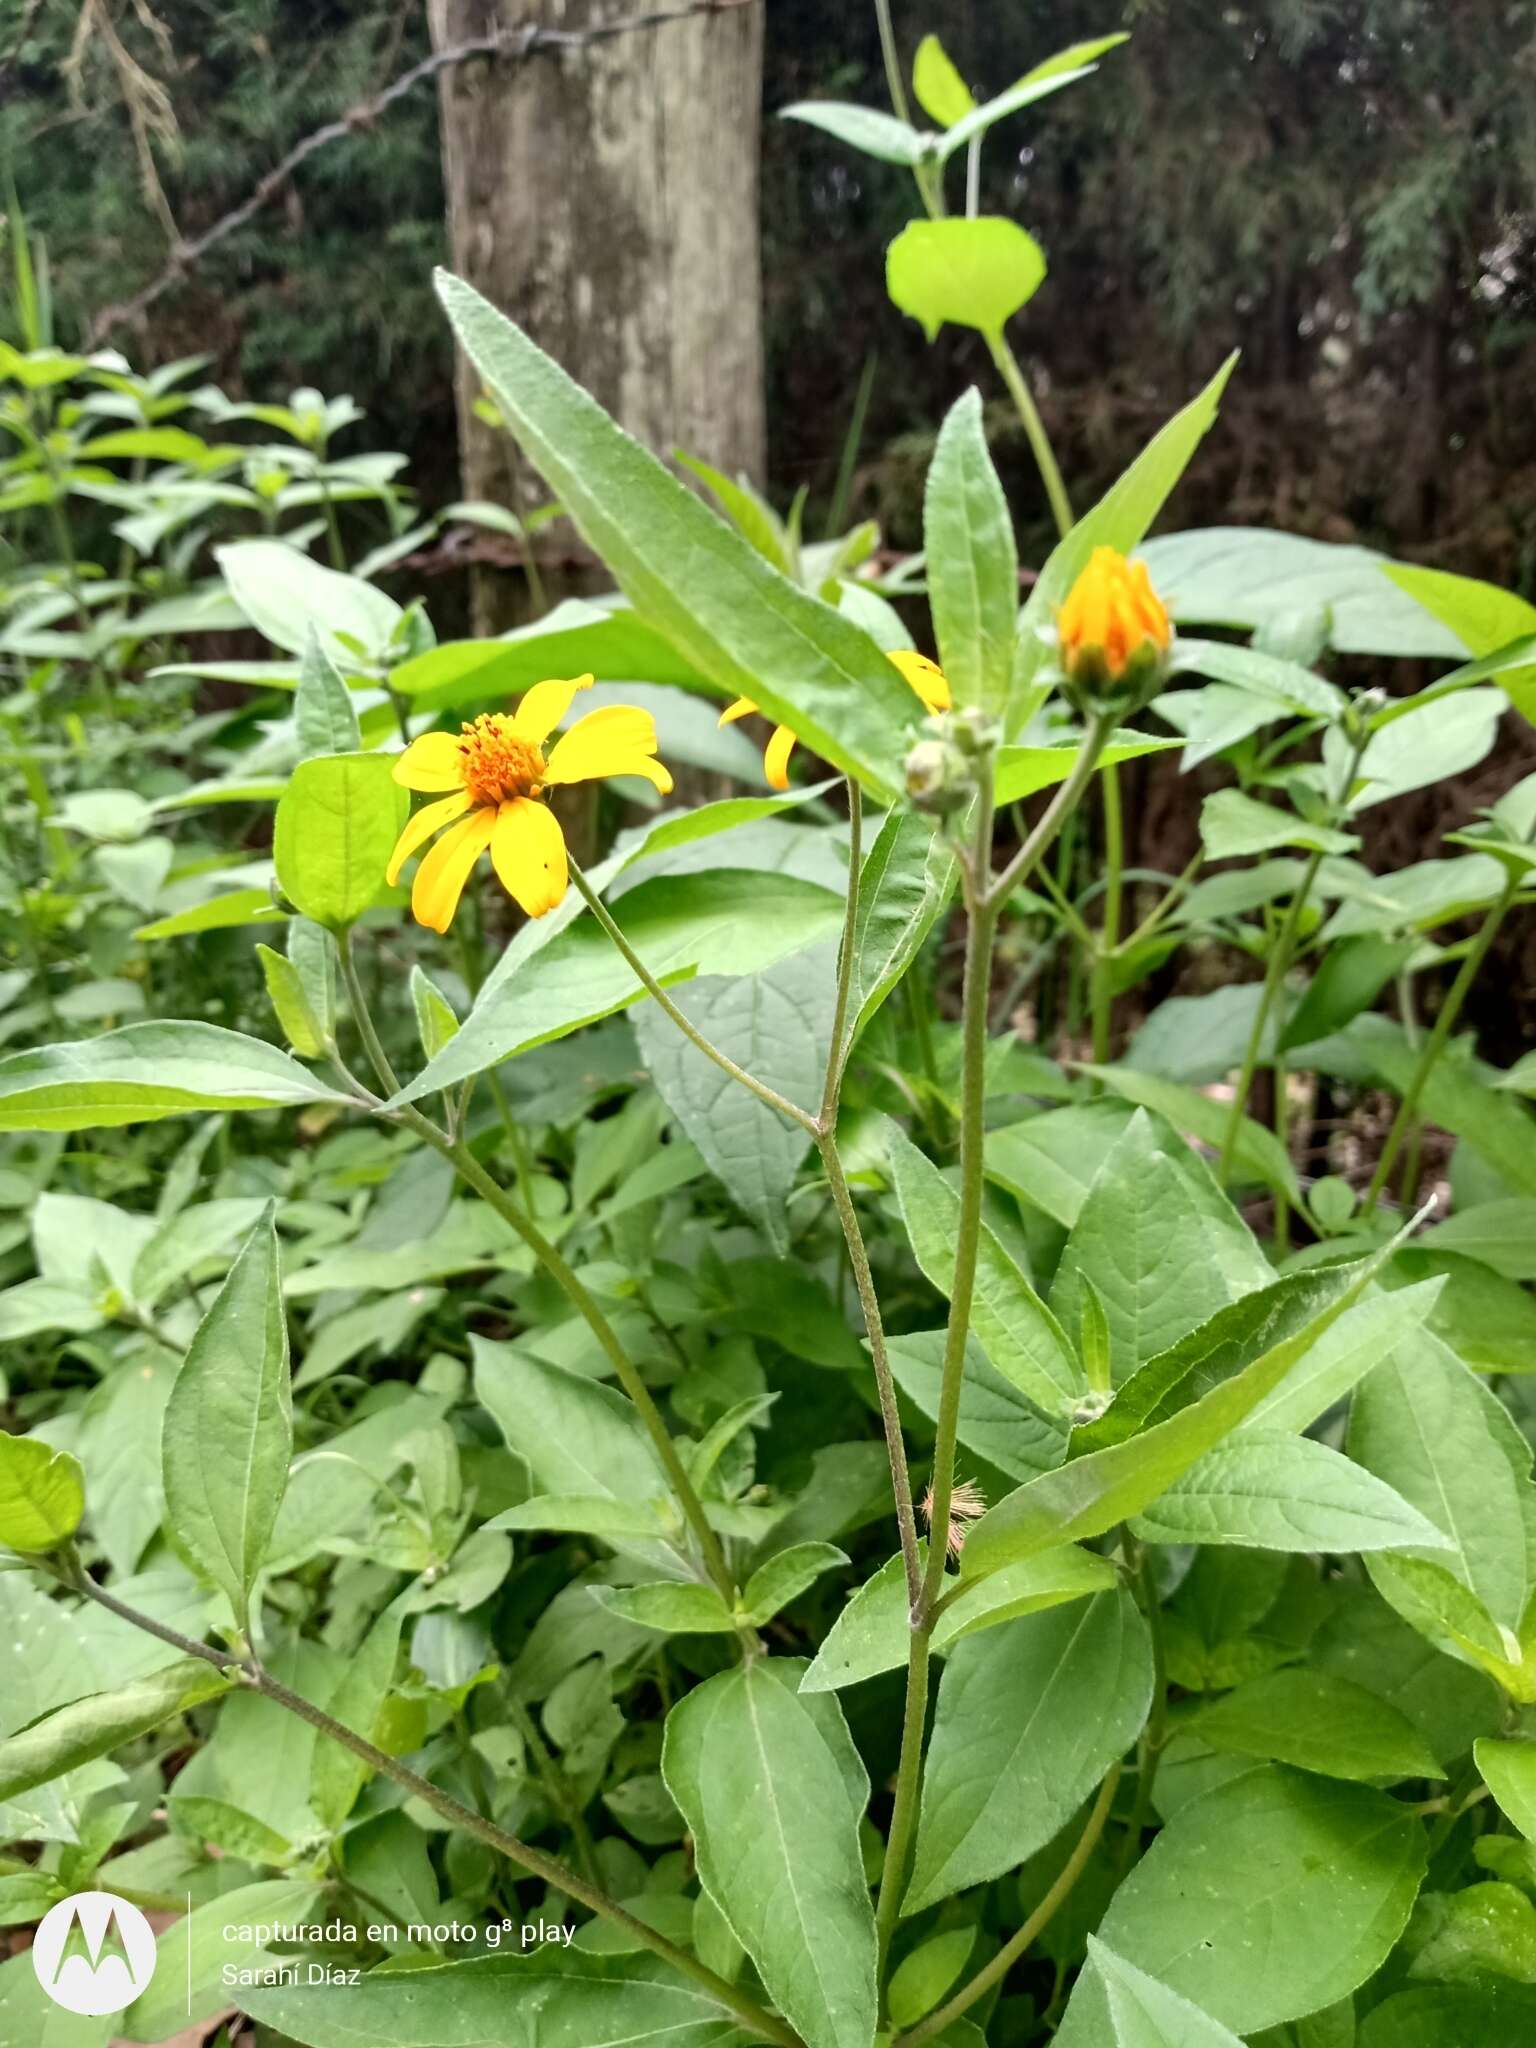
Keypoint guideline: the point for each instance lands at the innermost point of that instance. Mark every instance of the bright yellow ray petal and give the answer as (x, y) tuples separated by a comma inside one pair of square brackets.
[(776, 757), (429, 819), (431, 763), (742, 708), (544, 706), (441, 877), (925, 676), (640, 764), (528, 854), (616, 733)]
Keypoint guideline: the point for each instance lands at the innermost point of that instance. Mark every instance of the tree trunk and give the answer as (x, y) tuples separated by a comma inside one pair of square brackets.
[(606, 197)]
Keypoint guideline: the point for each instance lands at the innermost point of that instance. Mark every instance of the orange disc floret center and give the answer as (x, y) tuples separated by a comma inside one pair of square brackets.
[(496, 762)]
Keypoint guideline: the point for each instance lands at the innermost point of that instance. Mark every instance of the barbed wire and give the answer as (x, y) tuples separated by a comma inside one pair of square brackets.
[(515, 46)]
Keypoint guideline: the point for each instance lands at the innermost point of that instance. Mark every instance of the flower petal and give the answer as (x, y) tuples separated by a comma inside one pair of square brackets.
[(925, 676), (528, 854), (605, 742), (742, 708), (441, 877), (544, 706), (419, 828), (430, 763), (776, 757)]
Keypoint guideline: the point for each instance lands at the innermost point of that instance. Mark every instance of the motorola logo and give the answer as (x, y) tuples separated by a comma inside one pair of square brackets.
[(94, 1953)]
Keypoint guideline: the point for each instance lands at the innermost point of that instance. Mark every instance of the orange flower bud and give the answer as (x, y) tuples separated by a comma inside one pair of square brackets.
[(1114, 633)]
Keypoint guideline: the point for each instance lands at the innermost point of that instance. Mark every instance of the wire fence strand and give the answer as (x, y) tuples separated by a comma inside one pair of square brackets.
[(507, 46)]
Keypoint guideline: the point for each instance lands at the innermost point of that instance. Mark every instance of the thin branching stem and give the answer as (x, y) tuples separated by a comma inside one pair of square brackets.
[(469, 1169), (1033, 1927), (690, 1031), (1435, 1044), (533, 1861)]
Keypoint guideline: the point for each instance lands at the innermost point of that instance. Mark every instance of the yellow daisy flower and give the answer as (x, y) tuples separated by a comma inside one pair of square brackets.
[(496, 770), (925, 676)]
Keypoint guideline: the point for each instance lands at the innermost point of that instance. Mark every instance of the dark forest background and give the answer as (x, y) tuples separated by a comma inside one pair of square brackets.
[(1346, 189)]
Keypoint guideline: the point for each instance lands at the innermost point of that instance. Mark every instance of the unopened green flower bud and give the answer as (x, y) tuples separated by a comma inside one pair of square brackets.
[(939, 777)]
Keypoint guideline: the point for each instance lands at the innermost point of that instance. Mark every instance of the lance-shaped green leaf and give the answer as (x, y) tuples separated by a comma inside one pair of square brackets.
[(735, 617), (147, 1071), (1120, 520), (290, 1003), (866, 129), (337, 1776), (1273, 1492), (1014, 1327), (553, 1997), (774, 1812), (1160, 1242), (909, 875), (1035, 85), (192, 1955), (228, 1433), (1431, 1429), (1509, 1772), (1092, 1493), (336, 827), (436, 1020), (324, 715), (1318, 1722), (1484, 618), (42, 1494), (973, 564), (726, 922), (288, 597), (103, 1721), (937, 86), (671, 1607)]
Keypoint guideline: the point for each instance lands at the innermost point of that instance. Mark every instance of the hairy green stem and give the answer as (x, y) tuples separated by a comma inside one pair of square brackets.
[(981, 930), (1154, 1737), (898, 1843), (885, 1385), (1434, 1045), (1033, 1927), (1056, 813), (469, 1169), (534, 1861), (837, 1051), (1034, 430), (1281, 953), (1102, 985), (691, 1032)]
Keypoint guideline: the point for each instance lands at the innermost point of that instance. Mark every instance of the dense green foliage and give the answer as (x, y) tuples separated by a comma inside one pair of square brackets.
[(477, 1388)]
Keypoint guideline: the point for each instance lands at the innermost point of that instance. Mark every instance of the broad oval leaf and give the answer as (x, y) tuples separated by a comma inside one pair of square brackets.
[(336, 826), (969, 273), (42, 1494), (1269, 1897)]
